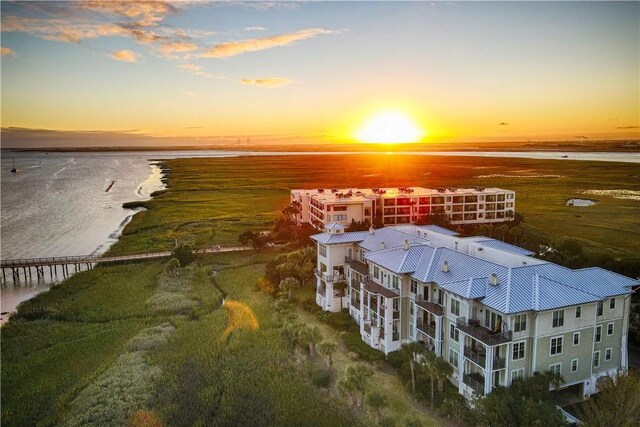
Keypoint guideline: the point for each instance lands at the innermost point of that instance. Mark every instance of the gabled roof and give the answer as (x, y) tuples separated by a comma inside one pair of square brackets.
[(471, 289), (335, 226), (398, 259), (330, 238), (505, 247), (390, 237)]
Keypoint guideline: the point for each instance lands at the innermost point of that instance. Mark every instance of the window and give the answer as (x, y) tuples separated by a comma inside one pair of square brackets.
[(322, 250), (517, 374), (556, 368), (518, 351), (556, 346), (596, 359), (574, 365), (376, 272), (609, 329), (578, 311), (411, 308), (396, 304), (576, 338), (455, 307), (454, 333), (396, 282), (414, 287), (599, 333), (558, 318), (453, 358), (520, 323), (600, 304), (612, 303), (607, 354)]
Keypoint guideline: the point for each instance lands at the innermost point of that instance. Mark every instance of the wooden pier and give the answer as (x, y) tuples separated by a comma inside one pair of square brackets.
[(37, 267)]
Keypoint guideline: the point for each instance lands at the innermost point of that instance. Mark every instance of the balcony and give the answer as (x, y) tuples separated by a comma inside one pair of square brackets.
[(328, 277), (431, 307), (367, 327), (396, 314), (482, 334), (357, 266), (376, 288), (428, 329), (322, 290), (475, 381), (476, 356)]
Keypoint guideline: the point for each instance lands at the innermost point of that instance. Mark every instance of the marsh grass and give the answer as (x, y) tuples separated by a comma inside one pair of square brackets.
[(211, 201)]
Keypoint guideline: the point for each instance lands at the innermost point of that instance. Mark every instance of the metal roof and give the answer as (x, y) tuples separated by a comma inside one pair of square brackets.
[(438, 229), (335, 226), (398, 259), (330, 238), (505, 247)]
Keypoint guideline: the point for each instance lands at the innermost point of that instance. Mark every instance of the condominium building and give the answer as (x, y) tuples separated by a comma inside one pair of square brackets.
[(404, 205), (489, 308)]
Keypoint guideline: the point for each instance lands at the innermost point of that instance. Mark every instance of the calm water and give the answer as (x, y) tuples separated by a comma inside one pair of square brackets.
[(57, 204)]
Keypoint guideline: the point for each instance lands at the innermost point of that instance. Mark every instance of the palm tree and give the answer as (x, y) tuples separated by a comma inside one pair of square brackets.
[(411, 352), (503, 229), (289, 284), (327, 349), (356, 380), (377, 401), (309, 335), (515, 232)]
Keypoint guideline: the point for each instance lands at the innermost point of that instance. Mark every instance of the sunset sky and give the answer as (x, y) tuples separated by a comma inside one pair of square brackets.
[(124, 72)]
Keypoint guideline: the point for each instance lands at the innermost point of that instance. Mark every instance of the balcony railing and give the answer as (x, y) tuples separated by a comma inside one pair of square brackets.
[(475, 381), (499, 363), (396, 314), (485, 335), (358, 266), (328, 277), (475, 356), (431, 307), (367, 328), (376, 288), (322, 290), (426, 328)]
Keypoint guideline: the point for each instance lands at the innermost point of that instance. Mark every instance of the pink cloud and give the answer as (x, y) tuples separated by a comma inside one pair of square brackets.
[(124, 56), (267, 81)]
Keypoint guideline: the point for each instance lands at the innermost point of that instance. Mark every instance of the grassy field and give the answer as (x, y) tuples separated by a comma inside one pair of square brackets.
[(213, 200)]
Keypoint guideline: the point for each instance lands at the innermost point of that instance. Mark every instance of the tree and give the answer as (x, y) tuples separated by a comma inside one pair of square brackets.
[(298, 264), (515, 232), (377, 401), (246, 237), (184, 254), (288, 285), (310, 335), (617, 403), (327, 349), (172, 266), (358, 225), (526, 403), (355, 382), (503, 230), (411, 352)]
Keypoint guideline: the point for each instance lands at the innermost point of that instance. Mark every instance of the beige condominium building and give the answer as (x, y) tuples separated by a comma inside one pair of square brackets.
[(491, 309), (404, 205)]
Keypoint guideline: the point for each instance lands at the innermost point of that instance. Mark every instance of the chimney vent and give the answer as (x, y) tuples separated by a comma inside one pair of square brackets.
[(381, 245), (371, 230), (493, 279), (445, 267), (405, 245)]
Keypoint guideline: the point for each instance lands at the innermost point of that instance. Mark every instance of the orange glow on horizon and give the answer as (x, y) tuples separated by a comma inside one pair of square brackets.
[(389, 127)]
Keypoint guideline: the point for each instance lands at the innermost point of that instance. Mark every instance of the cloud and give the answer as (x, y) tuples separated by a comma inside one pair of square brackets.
[(255, 29), (626, 127), (124, 56), (59, 29), (267, 81), (196, 70), (7, 51), (188, 93), (503, 124), (224, 50), (145, 13)]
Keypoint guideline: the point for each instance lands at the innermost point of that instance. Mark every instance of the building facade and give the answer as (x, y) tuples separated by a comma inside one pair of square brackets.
[(489, 308), (404, 205)]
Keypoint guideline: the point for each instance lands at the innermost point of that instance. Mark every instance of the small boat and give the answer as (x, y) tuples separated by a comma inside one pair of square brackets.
[(14, 169), (565, 157)]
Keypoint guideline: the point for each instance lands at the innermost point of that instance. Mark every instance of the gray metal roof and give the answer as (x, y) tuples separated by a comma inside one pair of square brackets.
[(506, 247), (438, 229), (330, 238)]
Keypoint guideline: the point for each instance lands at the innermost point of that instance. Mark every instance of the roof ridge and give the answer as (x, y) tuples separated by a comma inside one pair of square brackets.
[(569, 286)]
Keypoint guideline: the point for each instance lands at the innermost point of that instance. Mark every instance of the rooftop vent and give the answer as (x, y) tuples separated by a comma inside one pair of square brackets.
[(381, 245), (371, 230), (493, 279), (445, 267), (405, 245)]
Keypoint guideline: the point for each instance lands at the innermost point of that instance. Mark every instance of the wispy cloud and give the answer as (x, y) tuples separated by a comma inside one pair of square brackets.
[(7, 51), (267, 81), (145, 13), (196, 70), (124, 55), (626, 127), (503, 124), (255, 29), (224, 50)]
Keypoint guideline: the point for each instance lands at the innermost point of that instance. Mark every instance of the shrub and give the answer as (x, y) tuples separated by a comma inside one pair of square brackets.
[(184, 254)]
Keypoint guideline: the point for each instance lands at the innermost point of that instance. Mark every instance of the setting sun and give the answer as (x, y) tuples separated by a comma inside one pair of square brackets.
[(389, 127)]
